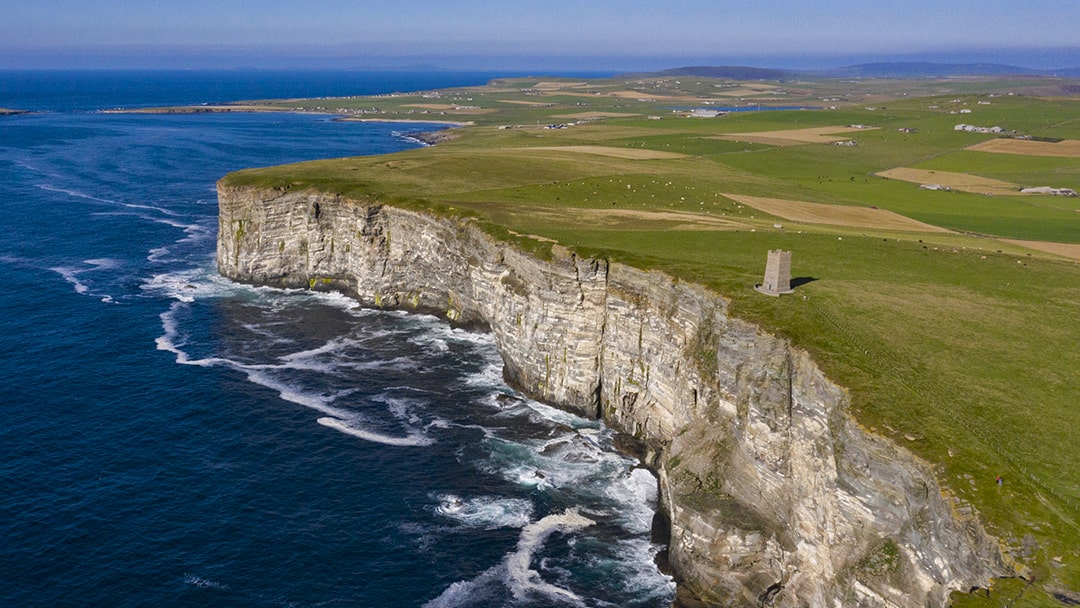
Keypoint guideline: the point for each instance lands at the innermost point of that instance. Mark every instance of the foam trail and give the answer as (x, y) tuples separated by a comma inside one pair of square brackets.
[(168, 341), (340, 425), (466, 594), (74, 193), (157, 254), (103, 263), (331, 346), (486, 513), (337, 418), (520, 578), (291, 394), (161, 210), (71, 275)]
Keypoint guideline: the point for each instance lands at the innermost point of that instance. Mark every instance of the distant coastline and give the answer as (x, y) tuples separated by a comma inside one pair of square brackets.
[(258, 108), (207, 109)]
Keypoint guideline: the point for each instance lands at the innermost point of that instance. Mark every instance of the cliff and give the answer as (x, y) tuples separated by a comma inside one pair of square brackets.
[(775, 495)]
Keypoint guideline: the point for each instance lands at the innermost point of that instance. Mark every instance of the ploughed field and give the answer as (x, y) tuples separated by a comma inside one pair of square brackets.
[(950, 311)]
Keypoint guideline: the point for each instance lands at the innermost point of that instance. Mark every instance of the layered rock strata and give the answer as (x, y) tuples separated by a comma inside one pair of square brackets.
[(775, 495)]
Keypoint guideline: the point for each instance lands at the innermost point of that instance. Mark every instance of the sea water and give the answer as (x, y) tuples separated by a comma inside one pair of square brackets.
[(171, 438)]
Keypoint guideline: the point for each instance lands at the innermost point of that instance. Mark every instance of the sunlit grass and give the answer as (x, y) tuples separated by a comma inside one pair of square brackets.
[(958, 346)]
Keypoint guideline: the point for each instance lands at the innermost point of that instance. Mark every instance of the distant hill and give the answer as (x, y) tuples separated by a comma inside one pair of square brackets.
[(925, 69), (901, 69), (732, 72), (1066, 73)]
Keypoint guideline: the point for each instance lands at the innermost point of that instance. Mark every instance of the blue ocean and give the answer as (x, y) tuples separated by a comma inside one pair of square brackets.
[(171, 438)]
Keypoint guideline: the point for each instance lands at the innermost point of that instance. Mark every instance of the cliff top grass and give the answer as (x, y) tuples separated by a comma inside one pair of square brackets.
[(952, 317)]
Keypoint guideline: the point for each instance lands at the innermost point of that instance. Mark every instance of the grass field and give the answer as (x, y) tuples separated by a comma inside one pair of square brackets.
[(952, 317)]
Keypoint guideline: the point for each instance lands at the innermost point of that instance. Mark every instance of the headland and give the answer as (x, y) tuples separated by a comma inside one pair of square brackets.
[(837, 445)]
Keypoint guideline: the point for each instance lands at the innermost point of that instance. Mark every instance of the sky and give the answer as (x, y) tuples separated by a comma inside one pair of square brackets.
[(582, 34)]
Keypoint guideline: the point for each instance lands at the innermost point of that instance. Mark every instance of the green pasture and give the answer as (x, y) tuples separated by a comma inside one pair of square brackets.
[(958, 346)]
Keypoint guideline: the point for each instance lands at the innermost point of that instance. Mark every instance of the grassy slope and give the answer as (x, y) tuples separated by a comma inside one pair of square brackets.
[(958, 346)]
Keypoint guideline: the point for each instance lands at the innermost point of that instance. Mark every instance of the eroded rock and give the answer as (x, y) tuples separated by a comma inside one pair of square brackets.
[(775, 495)]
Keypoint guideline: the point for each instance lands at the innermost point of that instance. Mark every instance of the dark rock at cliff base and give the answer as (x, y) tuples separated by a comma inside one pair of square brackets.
[(432, 138)]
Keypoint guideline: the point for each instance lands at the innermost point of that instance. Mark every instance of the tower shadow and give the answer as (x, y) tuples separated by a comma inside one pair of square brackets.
[(799, 281)]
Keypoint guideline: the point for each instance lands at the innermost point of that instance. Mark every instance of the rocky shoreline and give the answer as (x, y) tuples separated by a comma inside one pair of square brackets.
[(775, 495)]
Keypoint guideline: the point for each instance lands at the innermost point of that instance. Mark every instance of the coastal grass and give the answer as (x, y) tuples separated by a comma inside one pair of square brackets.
[(959, 345)]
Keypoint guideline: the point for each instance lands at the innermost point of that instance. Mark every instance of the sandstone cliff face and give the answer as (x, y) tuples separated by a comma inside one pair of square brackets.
[(776, 497)]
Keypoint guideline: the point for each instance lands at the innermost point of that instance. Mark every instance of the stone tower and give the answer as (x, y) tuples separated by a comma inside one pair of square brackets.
[(777, 274)]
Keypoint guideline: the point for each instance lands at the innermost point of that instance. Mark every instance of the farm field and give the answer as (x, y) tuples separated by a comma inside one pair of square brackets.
[(952, 316)]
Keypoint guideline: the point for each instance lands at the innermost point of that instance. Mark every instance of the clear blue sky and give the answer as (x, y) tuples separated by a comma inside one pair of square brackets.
[(580, 33)]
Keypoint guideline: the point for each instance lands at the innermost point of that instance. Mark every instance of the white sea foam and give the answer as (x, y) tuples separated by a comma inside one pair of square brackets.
[(632, 562), (192, 233), (158, 254), (514, 572), (337, 418), (642, 577), (203, 583), (490, 376), (71, 275), (161, 210), (486, 512), (476, 592), (396, 364), (438, 333), (431, 340), (173, 341), (523, 580), (191, 284), (266, 333), (301, 359), (103, 263), (576, 464), (636, 494), (528, 476), (320, 402), (484, 339), (568, 460), (413, 439), (560, 416), (330, 298), (74, 193)]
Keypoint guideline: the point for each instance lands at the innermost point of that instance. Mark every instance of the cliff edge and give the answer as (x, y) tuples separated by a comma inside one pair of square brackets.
[(776, 496)]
